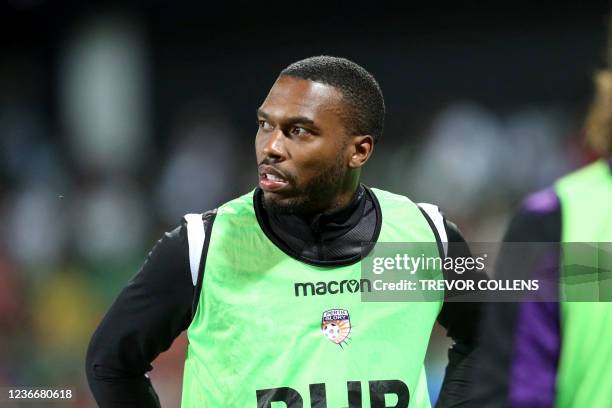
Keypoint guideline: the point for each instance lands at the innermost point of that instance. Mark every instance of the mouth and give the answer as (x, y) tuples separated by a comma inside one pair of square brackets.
[(271, 179)]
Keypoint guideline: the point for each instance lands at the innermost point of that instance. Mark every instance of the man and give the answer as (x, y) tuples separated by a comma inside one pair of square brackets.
[(242, 284), (545, 354)]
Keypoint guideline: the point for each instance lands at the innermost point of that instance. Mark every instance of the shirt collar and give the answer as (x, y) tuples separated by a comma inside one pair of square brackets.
[(323, 226)]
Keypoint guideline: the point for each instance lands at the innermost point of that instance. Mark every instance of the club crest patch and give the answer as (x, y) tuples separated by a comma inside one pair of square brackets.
[(336, 326)]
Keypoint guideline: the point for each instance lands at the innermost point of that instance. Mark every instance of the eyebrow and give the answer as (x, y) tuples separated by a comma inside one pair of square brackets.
[(289, 121)]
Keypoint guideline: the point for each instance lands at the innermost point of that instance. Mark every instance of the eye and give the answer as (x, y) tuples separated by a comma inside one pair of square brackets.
[(298, 131), (264, 124)]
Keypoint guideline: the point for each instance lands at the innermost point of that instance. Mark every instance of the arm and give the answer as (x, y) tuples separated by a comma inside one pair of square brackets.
[(461, 320), (149, 313)]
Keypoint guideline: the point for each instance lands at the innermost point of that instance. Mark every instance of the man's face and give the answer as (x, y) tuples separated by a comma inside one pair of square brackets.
[(301, 146)]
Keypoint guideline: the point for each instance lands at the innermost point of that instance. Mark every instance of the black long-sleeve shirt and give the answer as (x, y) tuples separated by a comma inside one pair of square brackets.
[(158, 303)]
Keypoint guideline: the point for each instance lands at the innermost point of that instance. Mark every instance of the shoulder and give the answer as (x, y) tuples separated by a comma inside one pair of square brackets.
[(538, 218), (540, 203), (240, 205), (178, 236), (174, 246), (447, 230)]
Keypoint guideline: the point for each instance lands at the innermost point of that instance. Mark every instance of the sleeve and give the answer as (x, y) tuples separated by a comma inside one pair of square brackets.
[(461, 321), (520, 345), (453, 314), (149, 313)]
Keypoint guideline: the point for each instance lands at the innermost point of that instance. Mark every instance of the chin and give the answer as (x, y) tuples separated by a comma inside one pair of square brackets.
[(289, 205)]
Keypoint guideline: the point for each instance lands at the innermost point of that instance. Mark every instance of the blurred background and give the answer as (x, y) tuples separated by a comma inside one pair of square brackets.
[(118, 118)]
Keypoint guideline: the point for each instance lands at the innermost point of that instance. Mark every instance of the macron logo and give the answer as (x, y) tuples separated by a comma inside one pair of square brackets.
[(331, 287)]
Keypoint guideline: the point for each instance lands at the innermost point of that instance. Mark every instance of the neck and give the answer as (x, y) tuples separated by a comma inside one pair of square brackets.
[(343, 199), (342, 206)]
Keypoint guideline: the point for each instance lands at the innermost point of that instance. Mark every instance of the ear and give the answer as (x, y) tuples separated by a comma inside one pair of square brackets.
[(361, 148)]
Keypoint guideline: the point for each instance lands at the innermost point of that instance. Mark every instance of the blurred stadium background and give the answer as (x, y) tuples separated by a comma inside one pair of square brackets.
[(116, 120)]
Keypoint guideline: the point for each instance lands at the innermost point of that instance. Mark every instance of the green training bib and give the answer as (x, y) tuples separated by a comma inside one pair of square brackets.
[(585, 368), (263, 336)]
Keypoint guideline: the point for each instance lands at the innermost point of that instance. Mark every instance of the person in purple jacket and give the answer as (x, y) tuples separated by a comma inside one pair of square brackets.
[(530, 357)]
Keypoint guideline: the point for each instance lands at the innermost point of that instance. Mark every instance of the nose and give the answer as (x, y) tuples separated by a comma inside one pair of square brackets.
[(274, 147)]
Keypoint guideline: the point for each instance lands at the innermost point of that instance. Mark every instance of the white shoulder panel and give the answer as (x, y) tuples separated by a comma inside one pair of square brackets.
[(195, 238), (438, 220)]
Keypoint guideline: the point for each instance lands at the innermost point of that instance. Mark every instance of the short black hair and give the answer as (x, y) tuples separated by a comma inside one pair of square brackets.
[(361, 92)]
